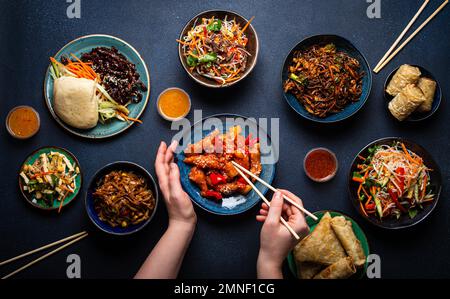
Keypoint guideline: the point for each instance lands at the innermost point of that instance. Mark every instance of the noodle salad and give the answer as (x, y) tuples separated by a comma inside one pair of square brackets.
[(392, 181), (216, 49)]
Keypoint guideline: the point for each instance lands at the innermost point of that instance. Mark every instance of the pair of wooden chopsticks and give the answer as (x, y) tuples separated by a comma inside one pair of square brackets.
[(241, 169), (388, 56), (74, 238)]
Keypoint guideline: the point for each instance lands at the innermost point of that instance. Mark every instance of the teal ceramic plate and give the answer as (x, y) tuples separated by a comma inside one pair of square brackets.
[(358, 232), (40, 204), (85, 44)]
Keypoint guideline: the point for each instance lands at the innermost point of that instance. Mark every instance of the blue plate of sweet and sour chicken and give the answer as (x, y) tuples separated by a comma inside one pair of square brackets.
[(206, 163)]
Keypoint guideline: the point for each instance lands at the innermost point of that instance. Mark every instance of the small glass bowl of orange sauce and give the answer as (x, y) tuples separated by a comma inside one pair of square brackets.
[(173, 104), (23, 122)]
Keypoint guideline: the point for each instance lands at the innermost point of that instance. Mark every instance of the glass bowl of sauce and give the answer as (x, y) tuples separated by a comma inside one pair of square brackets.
[(320, 164), (173, 104), (23, 122)]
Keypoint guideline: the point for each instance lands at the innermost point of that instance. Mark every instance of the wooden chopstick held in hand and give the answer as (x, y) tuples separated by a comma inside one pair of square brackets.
[(293, 202), (401, 35), (80, 236), (411, 36), (290, 229)]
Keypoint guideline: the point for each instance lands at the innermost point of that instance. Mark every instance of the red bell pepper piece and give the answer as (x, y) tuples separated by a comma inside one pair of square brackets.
[(370, 205), (394, 197), (401, 181), (213, 194), (247, 140), (217, 178), (251, 141), (241, 180)]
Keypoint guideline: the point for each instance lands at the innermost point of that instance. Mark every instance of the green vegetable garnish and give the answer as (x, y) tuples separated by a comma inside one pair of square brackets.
[(378, 207), (412, 213), (357, 174), (330, 47), (192, 61), (210, 57), (55, 69), (300, 79), (215, 26), (54, 179)]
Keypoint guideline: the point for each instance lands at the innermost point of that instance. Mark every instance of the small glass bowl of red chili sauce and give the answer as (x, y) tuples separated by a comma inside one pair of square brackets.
[(320, 164)]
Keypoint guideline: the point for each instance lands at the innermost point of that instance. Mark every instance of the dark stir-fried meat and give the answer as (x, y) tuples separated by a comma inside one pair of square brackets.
[(324, 80), (119, 76), (123, 199)]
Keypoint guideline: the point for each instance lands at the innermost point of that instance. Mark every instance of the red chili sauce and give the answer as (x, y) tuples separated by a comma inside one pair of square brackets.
[(320, 164)]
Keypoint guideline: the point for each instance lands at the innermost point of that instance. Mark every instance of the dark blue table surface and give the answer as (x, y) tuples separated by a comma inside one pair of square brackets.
[(223, 247)]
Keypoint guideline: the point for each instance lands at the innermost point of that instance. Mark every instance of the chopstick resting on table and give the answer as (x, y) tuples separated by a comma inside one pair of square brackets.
[(383, 64), (402, 34), (290, 229), (74, 238), (291, 201)]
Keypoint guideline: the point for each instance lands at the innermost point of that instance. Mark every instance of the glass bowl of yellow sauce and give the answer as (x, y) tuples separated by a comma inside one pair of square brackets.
[(173, 104), (23, 122)]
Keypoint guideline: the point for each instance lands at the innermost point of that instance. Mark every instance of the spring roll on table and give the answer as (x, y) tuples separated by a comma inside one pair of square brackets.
[(342, 269), (307, 270), (406, 102), (428, 88), (321, 246), (406, 74), (344, 231)]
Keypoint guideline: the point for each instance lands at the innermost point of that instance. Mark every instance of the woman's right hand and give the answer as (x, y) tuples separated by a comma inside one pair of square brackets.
[(276, 241), (178, 203)]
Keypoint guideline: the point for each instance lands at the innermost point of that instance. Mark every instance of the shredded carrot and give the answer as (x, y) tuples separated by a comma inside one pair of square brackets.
[(84, 66), (358, 180), (408, 156), (362, 209), (182, 42), (127, 118), (61, 203), (424, 186), (216, 71), (365, 192), (248, 23)]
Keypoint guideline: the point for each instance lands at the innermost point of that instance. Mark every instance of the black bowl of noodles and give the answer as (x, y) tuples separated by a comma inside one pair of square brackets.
[(326, 79), (122, 198)]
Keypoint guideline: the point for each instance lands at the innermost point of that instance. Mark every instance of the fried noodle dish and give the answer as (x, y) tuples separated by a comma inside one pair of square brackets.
[(211, 159), (123, 198), (216, 49), (392, 181), (324, 80)]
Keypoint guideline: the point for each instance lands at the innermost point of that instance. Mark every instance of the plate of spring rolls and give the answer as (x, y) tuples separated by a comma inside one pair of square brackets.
[(413, 94), (336, 248)]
